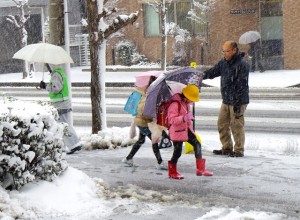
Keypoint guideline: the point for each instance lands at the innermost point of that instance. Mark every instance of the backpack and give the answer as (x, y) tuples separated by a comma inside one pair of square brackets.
[(162, 113), (165, 141), (132, 103)]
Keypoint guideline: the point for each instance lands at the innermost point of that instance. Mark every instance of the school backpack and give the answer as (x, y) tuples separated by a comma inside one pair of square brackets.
[(132, 103), (162, 113)]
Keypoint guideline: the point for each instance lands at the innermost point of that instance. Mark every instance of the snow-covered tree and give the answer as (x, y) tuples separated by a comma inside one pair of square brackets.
[(160, 7), (99, 29), (19, 22), (200, 11), (182, 44)]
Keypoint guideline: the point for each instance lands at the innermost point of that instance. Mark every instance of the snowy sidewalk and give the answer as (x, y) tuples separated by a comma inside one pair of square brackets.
[(267, 79), (263, 185)]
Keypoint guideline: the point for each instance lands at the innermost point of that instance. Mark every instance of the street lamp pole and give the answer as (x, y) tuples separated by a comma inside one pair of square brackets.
[(67, 48)]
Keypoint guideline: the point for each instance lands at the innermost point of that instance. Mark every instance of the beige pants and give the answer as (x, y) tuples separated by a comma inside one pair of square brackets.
[(230, 123)]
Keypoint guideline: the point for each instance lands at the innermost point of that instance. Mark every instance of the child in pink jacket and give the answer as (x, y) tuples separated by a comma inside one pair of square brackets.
[(181, 129)]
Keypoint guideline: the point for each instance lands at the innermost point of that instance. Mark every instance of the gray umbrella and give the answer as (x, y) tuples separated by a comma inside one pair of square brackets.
[(249, 37), (43, 53), (159, 90)]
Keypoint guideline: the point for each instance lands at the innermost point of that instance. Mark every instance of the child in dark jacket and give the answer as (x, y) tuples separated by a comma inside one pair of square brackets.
[(181, 129)]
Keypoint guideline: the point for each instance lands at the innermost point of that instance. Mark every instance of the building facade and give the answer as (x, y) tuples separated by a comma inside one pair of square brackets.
[(37, 29), (230, 19), (276, 20)]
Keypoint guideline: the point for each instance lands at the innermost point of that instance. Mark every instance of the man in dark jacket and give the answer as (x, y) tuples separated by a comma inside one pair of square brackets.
[(234, 72)]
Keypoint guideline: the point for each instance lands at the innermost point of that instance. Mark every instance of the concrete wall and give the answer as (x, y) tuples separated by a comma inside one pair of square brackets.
[(291, 29)]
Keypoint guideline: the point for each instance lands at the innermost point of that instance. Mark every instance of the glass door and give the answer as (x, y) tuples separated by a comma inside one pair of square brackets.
[(271, 22)]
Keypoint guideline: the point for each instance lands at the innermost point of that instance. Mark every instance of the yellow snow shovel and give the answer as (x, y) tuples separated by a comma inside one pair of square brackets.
[(189, 148)]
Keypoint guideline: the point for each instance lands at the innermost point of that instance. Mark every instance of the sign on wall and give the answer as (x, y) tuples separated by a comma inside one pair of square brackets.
[(242, 11)]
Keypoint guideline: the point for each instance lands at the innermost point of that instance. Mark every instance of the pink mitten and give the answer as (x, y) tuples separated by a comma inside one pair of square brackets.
[(188, 117)]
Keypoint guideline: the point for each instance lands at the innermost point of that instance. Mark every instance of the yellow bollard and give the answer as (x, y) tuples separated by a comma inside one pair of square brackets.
[(193, 64)]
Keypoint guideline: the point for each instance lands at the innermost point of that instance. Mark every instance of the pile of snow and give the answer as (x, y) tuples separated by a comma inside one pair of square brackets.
[(109, 138), (31, 143)]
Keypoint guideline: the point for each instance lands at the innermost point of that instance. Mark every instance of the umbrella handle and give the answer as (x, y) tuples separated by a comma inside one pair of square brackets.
[(48, 67), (194, 123)]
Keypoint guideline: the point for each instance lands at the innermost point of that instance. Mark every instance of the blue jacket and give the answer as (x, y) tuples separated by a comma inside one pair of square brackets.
[(234, 79)]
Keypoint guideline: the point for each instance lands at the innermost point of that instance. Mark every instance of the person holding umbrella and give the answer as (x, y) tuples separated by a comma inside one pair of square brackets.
[(141, 121), (59, 98), (58, 87), (234, 73), (181, 130), (255, 52), (252, 38)]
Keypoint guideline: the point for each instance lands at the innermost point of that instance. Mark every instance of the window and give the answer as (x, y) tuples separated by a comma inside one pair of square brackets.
[(177, 12), (151, 21), (181, 12), (271, 20)]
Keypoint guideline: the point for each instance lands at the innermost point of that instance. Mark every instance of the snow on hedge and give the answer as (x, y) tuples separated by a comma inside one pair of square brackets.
[(31, 143)]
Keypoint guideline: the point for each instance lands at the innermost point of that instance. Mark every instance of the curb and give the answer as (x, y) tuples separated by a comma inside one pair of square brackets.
[(297, 85), (74, 84)]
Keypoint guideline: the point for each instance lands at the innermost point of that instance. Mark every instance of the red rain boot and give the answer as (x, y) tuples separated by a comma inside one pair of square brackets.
[(200, 163), (172, 169)]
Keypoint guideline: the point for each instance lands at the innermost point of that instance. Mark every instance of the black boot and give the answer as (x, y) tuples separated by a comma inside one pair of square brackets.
[(222, 152), (73, 150), (236, 154)]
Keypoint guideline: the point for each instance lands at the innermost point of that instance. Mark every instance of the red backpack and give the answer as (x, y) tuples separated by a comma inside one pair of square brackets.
[(162, 113)]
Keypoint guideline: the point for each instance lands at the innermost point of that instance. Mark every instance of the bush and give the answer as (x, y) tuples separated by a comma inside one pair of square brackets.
[(31, 143), (124, 51), (128, 55)]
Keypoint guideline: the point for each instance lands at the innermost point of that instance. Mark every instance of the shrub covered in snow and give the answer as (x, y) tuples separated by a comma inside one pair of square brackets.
[(127, 54), (125, 49), (30, 143)]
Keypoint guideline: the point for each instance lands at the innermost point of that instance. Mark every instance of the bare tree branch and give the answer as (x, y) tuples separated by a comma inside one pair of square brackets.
[(13, 20), (119, 23), (106, 13)]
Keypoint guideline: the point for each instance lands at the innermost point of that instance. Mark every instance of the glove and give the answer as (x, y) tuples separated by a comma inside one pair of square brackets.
[(188, 117), (42, 85), (237, 108)]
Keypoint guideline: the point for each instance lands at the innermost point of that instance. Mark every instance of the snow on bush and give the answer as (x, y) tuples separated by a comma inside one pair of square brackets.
[(110, 138), (127, 54), (31, 142)]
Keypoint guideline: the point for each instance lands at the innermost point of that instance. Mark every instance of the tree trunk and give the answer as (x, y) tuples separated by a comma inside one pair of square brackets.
[(56, 22), (97, 40), (95, 88), (24, 35), (163, 35), (92, 15)]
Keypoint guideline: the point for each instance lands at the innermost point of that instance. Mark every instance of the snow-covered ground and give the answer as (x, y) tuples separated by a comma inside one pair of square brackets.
[(75, 195), (269, 78)]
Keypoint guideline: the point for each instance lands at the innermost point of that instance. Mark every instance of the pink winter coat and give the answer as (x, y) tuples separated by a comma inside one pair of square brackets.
[(178, 130)]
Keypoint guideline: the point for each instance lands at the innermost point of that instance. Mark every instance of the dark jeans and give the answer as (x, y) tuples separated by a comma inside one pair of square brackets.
[(192, 139), (143, 132), (256, 60)]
